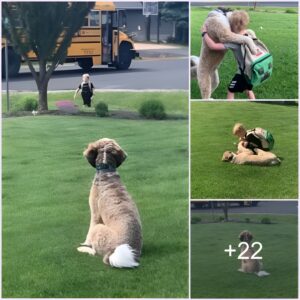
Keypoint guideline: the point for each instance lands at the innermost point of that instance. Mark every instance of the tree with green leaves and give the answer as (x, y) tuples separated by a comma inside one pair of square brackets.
[(46, 28), (178, 13)]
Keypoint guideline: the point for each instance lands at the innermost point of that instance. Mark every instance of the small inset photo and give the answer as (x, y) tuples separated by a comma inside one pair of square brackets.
[(249, 51), (244, 249), (244, 150)]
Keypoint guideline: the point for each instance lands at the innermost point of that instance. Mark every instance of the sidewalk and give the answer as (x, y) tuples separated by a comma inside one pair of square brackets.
[(153, 50)]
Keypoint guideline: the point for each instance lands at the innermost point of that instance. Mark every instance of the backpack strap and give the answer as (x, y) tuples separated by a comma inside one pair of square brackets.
[(90, 85)]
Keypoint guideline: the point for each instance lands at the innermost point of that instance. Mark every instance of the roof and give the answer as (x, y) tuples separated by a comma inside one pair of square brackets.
[(129, 5)]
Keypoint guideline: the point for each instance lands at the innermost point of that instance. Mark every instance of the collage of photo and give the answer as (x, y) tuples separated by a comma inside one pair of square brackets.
[(150, 149)]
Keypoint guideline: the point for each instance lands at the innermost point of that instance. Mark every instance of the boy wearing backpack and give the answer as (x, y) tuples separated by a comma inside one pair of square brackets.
[(87, 90), (251, 71), (254, 138), (238, 84)]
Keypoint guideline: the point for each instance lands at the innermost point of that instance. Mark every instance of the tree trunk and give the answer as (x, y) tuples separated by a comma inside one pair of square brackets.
[(225, 209), (42, 85), (43, 102)]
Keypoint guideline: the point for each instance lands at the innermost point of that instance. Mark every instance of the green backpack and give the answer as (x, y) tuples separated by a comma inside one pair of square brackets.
[(266, 138), (257, 68)]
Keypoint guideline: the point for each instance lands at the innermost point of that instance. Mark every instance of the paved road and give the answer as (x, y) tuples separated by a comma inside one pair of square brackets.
[(272, 207), (156, 73)]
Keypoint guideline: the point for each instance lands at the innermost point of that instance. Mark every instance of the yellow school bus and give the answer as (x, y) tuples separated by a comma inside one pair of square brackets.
[(99, 42)]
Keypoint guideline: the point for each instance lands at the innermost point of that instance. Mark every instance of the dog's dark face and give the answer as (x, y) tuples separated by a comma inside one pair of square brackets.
[(105, 151), (227, 156), (246, 236)]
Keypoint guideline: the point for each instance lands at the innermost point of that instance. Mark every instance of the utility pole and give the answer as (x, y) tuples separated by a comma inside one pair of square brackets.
[(6, 75)]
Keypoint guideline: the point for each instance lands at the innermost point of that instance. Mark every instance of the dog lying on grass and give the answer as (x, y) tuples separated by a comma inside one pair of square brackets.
[(115, 227), (250, 265), (219, 24), (246, 156)]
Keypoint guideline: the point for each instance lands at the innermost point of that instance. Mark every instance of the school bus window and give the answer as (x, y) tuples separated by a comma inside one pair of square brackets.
[(94, 18), (86, 21)]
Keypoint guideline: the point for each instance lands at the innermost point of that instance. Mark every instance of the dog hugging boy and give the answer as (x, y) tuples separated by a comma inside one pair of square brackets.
[(238, 83)]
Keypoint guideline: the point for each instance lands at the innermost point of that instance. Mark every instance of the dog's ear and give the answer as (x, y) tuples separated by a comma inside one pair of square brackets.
[(119, 155), (241, 236), (91, 154)]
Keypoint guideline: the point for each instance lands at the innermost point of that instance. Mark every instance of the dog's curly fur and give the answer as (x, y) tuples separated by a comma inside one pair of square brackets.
[(246, 156), (115, 220), (220, 32), (250, 265)]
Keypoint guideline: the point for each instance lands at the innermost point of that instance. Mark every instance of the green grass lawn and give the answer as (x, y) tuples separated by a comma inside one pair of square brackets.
[(211, 135), (174, 102), (279, 32), (214, 274), (45, 211)]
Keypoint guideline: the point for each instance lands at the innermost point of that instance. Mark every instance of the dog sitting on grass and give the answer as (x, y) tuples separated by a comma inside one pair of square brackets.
[(250, 265), (115, 227)]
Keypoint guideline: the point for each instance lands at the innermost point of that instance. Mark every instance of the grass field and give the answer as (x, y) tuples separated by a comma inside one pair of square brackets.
[(174, 102), (214, 274), (279, 31), (211, 135), (45, 211)]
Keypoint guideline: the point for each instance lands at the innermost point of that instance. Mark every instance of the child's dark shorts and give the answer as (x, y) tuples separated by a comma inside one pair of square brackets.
[(239, 84)]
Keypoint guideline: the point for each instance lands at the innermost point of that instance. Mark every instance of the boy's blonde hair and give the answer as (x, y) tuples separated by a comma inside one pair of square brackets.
[(239, 20), (237, 128), (86, 76)]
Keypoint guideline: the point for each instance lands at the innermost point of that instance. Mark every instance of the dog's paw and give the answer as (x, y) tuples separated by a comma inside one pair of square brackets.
[(85, 249)]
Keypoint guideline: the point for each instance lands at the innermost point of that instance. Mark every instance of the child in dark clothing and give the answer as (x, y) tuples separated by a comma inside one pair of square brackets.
[(87, 90), (254, 138)]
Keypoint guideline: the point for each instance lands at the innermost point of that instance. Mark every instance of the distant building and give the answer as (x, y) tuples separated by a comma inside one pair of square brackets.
[(137, 23)]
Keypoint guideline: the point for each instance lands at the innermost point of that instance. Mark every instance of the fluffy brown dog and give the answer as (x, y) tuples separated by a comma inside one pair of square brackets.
[(115, 227), (219, 26), (246, 156), (250, 265)]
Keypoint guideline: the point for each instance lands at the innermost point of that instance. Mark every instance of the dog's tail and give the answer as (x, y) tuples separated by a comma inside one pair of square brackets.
[(123, 257), (262, 273)]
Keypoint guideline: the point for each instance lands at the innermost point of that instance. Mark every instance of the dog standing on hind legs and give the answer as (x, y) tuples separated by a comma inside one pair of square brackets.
[(219, 24), (250, 265), (115, 230)]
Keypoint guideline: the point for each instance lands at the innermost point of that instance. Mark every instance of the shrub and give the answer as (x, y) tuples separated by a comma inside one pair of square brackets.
[(265, 221), (27, 104), (153, 109), (101, 109), (290, 11), (195, 220), (247, 220)]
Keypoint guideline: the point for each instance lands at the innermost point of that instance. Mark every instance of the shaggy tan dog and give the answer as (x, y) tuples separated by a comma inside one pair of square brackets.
[(115, 227), (221, 28), (245, 156), (250, 265)]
